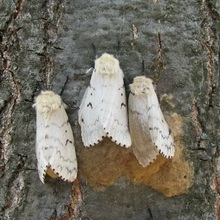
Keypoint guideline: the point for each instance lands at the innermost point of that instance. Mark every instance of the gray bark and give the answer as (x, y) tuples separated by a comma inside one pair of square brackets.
[(44, 42)]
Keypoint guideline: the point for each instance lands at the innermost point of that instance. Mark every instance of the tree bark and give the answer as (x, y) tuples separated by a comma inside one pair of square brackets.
[(176, 43)]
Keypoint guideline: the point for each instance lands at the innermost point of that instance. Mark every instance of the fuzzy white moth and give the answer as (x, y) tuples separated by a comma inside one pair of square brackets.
[(103, 111), (55, 148), (148, 127)]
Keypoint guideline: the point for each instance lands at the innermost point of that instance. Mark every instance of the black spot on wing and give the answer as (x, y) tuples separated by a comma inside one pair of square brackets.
[(123, 104), (90, 104), (92, 88), (68, 141)]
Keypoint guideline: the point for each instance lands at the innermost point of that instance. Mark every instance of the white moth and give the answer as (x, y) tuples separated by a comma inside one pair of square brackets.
[(148, 127), (55, 148), (103, 111)]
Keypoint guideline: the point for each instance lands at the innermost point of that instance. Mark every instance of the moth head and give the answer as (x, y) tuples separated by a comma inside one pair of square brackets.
[(47, 102), (141, 86), (107, 65)]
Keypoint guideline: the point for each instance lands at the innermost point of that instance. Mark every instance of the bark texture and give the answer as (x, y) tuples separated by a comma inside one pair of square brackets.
[(42, 43)]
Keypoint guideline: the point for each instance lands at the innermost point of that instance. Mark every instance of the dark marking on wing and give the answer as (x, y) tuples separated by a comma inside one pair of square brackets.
[(123, 104), (121, 88), (90, 104), (160, 132), (65, 160), (91, 87), (149, 108), (60, 126), (68, 141)]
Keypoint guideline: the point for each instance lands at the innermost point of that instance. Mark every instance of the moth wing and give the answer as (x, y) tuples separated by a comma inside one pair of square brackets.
[(91, 129), (143, 148), (159, 129), (44, 147), (55, 146), (113, 110)]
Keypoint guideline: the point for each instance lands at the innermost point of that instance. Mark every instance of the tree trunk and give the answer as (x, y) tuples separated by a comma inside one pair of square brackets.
[(176, 43)]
